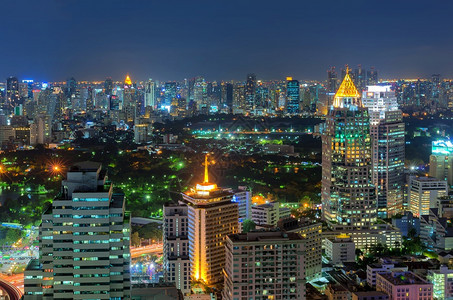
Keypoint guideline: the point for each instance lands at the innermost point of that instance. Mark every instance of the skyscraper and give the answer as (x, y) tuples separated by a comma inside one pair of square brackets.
[(212, 216), (176, 246), (12, 91), (292, 96), (387, 133), (250, 93), (71, 86), (169, 93), (150, 95), (348, 195), (83, 241), (108, 86), (441, 161)]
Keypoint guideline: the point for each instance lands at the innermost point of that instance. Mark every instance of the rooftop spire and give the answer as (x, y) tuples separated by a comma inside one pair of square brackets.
[(206, 174), (128, 80), (347, 89)]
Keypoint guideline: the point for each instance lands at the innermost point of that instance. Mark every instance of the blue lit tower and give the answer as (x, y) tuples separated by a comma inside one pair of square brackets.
[(292, 96)]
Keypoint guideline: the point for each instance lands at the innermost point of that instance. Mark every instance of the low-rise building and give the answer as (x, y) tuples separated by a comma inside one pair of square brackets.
[(269, 213), (370, 295), (436, 232), (406, 223), (340, 249), (404, 286), (384, 266)]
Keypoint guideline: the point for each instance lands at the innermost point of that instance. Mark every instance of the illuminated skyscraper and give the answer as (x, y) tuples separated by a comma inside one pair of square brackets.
[(387, 133), (169, 93), (212, 216), (150, 95), (292, 96), (441, 161), (12, 91), (250, 92), (348, 195), (83, 241)]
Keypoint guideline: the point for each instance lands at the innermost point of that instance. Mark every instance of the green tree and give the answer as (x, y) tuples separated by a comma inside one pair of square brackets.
[(248, 225), (135, 239)]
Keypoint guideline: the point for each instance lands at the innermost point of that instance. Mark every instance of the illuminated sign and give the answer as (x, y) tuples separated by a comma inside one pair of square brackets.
[(443, 147)]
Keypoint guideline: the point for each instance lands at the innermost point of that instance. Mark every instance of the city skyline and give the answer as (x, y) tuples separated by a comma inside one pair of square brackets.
[(228, 40)]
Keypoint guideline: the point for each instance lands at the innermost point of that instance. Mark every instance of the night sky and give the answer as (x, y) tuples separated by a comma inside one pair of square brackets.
[(171, 40)]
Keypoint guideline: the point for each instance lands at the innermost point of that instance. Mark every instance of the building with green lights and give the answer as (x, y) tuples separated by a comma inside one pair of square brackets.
[(442, 281), (348, 195)]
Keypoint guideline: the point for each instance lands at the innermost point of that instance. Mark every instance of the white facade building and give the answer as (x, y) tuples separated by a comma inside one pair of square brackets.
[(176, 246), (340, 249), (423, 194), (269, 213)]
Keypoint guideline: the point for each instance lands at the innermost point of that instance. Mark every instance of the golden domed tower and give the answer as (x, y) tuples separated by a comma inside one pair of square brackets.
[(212, 216)]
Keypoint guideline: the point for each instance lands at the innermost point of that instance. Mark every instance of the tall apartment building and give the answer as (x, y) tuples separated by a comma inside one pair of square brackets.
[(264, 265), (311, 232), (441, 161), (212, 215), (176, 246), (423, 194), (388, 143), (83, 241)]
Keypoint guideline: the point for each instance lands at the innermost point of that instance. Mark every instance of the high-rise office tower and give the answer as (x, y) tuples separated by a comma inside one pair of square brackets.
[(212, 216), (176, 246), (360, 78), (83, 241), (229, 96), (441, 161), (348, 195), (387, 133), (150, 95), (108, 86), (71, 87), (200, 93), (332, 80), (424, 193), (264, 265), (292, 96), (250, 93), (12, 92), (371, 76), (169, 93)]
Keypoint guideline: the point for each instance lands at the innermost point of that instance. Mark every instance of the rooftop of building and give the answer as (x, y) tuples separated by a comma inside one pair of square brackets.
[(264, 235), (428, 179), (402, 278), (85, 166)]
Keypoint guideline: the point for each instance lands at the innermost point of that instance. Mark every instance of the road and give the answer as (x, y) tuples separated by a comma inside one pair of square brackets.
[(139, 251), (13, 292)]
